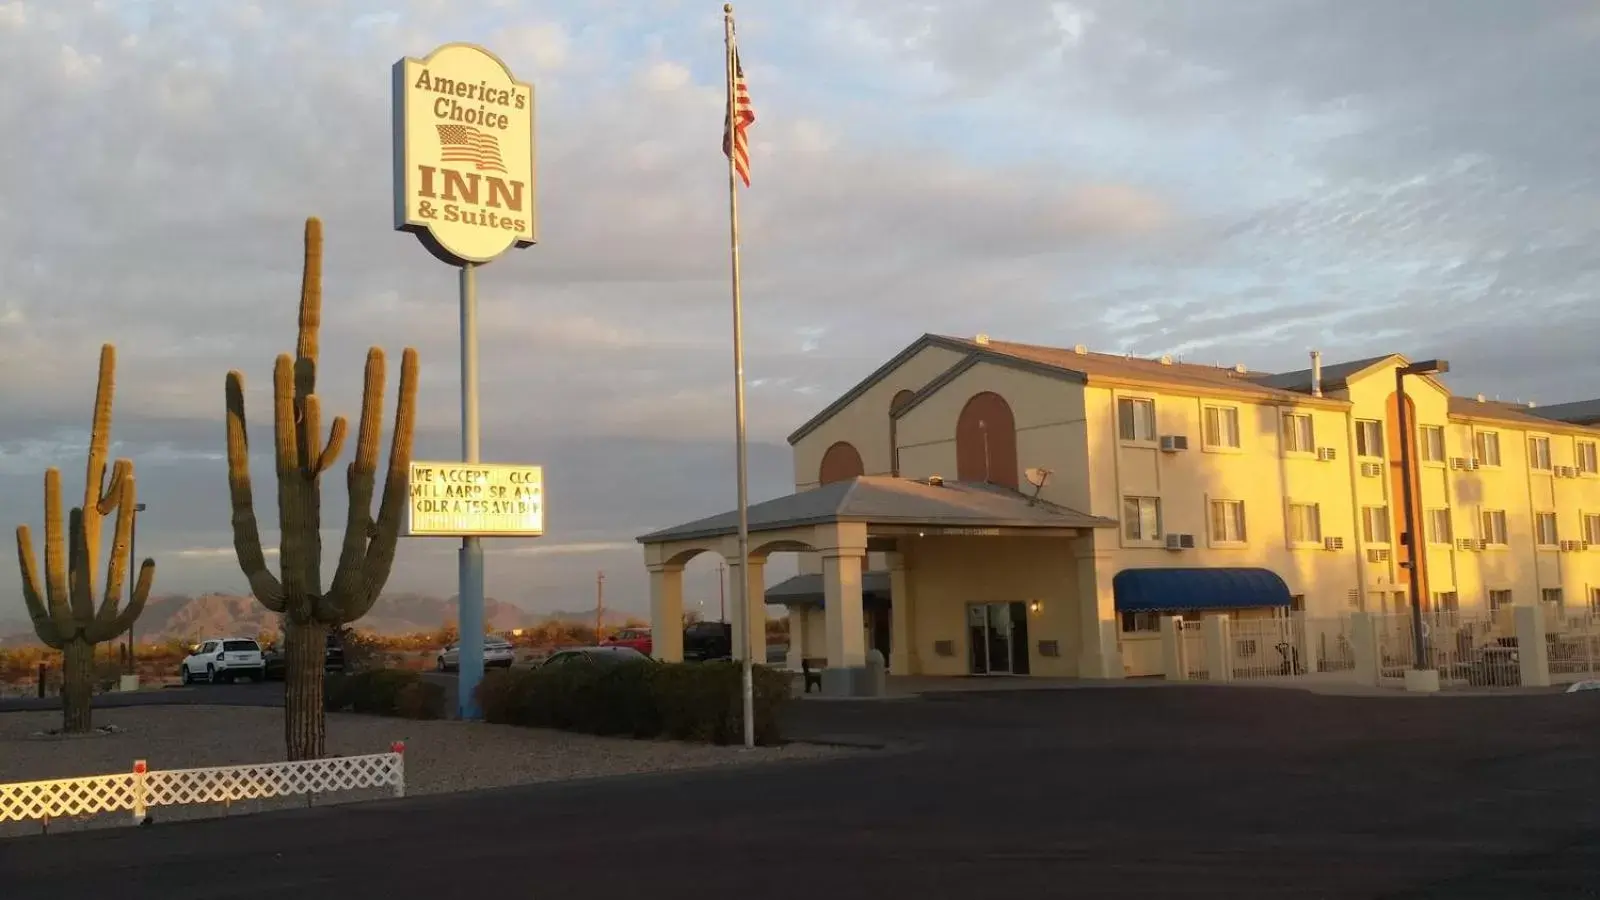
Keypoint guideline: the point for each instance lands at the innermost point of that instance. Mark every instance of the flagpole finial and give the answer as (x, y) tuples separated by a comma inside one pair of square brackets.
[(727, 9)]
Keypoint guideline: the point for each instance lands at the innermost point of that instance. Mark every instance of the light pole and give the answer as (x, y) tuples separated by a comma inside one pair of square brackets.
[(1409, 513), (133, 567)]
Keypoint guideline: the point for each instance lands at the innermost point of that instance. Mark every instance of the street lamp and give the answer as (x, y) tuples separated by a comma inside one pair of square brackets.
[(1409, 536), (133, 576)]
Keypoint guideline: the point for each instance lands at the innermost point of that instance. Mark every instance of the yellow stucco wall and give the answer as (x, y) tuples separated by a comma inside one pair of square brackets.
[(865, 422), (944, 575), (1050, 428)]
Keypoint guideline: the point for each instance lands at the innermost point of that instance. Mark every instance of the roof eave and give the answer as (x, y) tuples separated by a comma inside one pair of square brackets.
[(871, 381)]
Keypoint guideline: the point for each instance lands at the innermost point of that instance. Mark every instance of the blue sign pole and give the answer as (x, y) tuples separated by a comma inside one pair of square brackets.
[(471, 560)]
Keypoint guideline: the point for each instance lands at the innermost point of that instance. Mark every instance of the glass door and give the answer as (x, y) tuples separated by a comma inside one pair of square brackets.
[(991, 638)]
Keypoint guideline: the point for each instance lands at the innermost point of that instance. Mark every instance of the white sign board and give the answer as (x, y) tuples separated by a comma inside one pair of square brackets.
[(463, 154), (457, 499)]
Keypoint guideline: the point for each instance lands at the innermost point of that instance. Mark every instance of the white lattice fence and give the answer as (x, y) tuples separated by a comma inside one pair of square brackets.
[(141, 790)]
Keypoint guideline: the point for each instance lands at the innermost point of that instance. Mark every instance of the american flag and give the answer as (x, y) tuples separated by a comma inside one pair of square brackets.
[(463, 143), (742, 116)]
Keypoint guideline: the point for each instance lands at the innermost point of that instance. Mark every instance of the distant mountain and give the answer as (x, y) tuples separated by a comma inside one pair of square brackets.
[(209, 615)]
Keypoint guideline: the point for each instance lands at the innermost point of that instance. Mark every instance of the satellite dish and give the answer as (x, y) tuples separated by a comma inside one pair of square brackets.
[(1037, 476)]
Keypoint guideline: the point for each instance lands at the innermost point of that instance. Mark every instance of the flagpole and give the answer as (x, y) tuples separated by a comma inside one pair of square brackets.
[(747, 679)]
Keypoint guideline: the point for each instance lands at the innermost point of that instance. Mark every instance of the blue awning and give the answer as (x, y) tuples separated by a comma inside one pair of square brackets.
[(1181, 590)]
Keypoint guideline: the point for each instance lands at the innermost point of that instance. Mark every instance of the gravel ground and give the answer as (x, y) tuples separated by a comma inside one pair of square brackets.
[(441, 757)]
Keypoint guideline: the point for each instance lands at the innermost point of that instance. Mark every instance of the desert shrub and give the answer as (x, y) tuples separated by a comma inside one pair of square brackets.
[(384, 692), (685, 701)]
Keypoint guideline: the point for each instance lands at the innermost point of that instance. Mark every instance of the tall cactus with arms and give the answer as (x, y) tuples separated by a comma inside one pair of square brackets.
[(63, 607), (367, 551)]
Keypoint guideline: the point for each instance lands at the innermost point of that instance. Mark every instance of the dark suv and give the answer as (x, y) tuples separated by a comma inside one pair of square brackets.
[(708, 640), (332, 658)]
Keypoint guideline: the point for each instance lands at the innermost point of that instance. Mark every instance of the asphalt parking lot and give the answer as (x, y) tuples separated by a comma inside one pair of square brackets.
[(1188, 791)]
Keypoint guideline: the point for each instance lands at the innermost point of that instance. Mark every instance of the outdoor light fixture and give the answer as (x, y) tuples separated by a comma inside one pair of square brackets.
[(1409, 536), (1035, 606)]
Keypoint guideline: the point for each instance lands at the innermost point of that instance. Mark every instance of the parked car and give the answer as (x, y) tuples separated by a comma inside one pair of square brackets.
[(497, 653), (611, 655), (707, 640), (332, 658), (223, 659), (637, 638)]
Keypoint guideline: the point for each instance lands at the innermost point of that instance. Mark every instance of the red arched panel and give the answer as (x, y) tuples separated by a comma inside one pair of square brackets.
[(1398, 490), (840, 463), (986, 441)]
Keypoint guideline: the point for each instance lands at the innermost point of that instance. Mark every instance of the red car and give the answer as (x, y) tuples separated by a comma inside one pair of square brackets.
[(636, 638)]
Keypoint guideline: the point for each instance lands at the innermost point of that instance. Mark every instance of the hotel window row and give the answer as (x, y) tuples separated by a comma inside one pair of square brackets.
[(1136, 423), (1141, 521)]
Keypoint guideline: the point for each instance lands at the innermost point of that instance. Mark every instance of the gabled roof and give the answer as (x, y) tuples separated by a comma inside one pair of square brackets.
[(1334, 377), (883, 500), (867, 383), (1578, 412)]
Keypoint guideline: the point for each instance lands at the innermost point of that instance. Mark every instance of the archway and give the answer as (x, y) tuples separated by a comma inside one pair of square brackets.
[(841, 462), (986, 441)]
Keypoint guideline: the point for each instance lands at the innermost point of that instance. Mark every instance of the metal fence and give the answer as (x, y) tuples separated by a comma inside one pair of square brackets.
[(1194, 649), (1475, 649), (1574, 648), (1266, 647), (141, 790)]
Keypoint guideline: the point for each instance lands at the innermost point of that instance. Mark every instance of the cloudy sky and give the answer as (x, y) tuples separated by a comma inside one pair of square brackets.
[(1232, 180)]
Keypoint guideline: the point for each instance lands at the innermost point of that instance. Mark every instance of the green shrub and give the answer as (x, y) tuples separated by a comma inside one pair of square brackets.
[(384, 692), (684, 701)]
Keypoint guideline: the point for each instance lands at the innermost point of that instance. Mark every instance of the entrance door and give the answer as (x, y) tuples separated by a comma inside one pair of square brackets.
[(997, 642)]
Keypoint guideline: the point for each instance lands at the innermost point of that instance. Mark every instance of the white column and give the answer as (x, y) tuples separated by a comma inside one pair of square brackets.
[(841, 584), (903, 639), (797, 637), (666, 612), (1218, 647), (754, 632), (1533, 654), (1174, 666), (1097, 657)]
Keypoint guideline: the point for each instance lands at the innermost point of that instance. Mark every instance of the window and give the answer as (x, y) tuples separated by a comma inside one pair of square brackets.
[(1136, 419), (1494, 527), (1227, 522), (1499, 600), (1439, 530), (1305, 523), (1369, 438), (1141, 518), (1587, 462), (1375, 524), (1553, 595), (1298, 435), (241, 646), (1141, 622), (1431, 443), (1539, 453), (1222, 426), (1544, 528), (1488, 444), (1591, 529), (1446, 601)]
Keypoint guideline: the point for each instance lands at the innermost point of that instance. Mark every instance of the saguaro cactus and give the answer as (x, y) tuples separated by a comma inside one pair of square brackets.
[(367, 551), (63, 607)]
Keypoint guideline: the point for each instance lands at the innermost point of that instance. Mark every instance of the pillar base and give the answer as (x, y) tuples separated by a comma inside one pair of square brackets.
[(1422, 681)]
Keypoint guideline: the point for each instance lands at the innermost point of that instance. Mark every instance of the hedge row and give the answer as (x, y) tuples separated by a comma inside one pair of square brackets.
[(684, 701), (384, 692)]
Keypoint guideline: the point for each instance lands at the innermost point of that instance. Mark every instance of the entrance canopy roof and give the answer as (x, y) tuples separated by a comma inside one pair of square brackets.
[(1179, 590), (894, 504)]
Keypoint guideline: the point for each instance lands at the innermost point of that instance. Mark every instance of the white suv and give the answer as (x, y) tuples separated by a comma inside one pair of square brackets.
[(223, 659)]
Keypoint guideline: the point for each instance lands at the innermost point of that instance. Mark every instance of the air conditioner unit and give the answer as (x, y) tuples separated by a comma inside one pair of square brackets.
[(1571, 546), (1377, 556), (1566, 472), (1180, 542), (1472, 464), (1470, 544), (1333, 543), (1327, 454), (1371, 470), (1458, 462), (1172, 443)]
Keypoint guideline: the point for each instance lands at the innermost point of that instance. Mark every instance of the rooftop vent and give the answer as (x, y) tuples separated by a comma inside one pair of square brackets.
[(1481, 400), (981, 340), (1081, 350), (1240, 368), (1166, 360), (1532, 404), (936, 480)]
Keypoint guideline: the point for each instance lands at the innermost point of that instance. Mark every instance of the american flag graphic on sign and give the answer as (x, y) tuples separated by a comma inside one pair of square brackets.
[(743, 115), (465, 144)]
